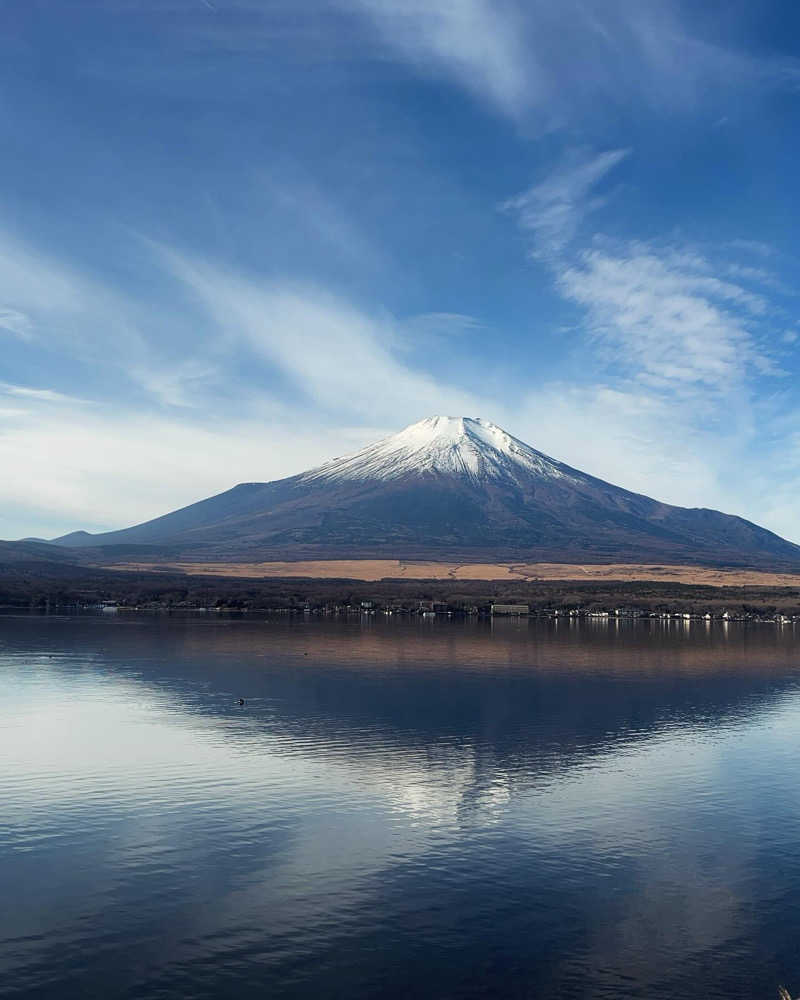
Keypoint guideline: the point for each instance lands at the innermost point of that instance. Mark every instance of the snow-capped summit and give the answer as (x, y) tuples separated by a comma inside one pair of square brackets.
[(460, 446)]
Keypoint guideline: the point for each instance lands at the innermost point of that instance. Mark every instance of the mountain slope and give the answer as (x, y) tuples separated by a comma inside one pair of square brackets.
[(33, 550), (448, 487)]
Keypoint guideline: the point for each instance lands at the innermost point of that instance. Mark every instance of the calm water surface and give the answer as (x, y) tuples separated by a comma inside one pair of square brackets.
[(401, 809)]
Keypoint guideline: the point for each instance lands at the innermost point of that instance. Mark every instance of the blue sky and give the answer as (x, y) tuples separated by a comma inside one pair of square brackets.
[(238, 238)]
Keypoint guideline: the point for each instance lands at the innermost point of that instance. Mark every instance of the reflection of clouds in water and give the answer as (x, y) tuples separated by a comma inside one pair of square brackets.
[(118, 735), (685, 909), (676, 826), (461, 794), (674, 900)]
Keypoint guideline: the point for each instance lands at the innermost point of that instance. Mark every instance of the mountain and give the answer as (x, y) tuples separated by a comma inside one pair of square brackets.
[(446, 488)]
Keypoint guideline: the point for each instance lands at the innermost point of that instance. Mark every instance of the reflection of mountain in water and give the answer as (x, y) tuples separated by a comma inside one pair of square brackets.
[(464, 700)]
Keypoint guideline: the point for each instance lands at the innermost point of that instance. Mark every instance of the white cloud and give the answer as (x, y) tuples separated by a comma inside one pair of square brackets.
[(180, 384), (553, 209), (29, 278), (478, 43), (664, 319), (577, 56), (342, 360), (661, 313), (630, 436), (41, 395), (54, 305), (753, 247), (16, 322), (59, 310), (531, 60), (99, 468), (320, 220), (434, 330)]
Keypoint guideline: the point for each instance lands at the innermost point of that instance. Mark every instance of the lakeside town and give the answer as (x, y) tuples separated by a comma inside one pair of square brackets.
[(435, 609)]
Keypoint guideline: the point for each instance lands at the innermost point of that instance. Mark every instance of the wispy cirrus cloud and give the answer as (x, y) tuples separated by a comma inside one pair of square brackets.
[(552, 210), (61, 311), (297, 202), (521, 57), (338, 357), (49, 301), (661, 311), (40, 395), (478, 43), (664, 318), (180, 384), (539, 63), (15, 322), (615, 430)]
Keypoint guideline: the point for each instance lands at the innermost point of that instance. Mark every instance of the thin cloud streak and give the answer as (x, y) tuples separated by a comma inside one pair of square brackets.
[(553, 210), (55, 304), (478, 43), (520, 58), (17, 323), (40, 395), (340, 359)]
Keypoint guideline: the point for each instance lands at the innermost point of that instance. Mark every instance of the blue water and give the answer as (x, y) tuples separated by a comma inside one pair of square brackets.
[(402, 808)]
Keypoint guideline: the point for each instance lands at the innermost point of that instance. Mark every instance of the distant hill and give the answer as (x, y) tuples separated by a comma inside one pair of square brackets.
[(445, 488), (30, 550)]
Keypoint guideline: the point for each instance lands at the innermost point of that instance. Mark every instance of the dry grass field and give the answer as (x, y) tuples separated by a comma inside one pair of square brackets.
[(381, 569)]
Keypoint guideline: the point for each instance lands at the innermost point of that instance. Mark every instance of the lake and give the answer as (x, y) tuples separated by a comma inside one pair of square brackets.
[(402, 808)]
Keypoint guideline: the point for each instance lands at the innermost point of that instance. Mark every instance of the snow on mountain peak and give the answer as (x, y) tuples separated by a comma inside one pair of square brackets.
[(451, 446)]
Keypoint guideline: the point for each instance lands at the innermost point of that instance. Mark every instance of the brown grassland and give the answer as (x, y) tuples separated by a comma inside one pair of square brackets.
[(398, 569)]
